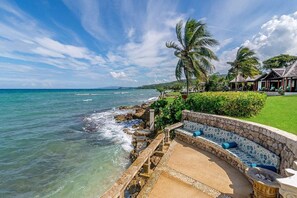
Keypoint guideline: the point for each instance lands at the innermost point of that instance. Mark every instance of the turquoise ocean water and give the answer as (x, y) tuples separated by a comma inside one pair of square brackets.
[(63, 143)]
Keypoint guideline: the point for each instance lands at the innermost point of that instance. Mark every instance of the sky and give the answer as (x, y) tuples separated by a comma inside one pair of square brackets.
[(101, 43)]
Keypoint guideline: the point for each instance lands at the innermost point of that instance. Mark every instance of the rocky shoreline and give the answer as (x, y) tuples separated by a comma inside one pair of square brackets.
[(141, 138)]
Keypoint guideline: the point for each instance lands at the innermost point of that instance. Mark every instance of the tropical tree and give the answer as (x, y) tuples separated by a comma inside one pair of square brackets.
[(177, 86), (161, 90), (193, 50), (246, 64), (216, 82), (282, 60)]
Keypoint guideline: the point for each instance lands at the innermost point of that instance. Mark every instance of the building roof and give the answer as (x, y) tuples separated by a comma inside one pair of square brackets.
[(239, 78), (285, 72), (255, 78), (291, 71), (279, 71)]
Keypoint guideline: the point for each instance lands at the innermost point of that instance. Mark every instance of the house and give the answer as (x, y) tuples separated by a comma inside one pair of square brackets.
[(285, 78), (249, 83), (281, 77)]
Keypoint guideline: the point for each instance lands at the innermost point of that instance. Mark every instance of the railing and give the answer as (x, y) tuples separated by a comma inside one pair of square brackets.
[(170, 128), (143, 160)]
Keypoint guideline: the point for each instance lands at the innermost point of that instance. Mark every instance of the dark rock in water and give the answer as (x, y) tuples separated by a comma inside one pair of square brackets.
[(133, 155), (125, 107), (139, 126), (142, 133), (143, 114), (123, 117), (127, 131), (90, 127)]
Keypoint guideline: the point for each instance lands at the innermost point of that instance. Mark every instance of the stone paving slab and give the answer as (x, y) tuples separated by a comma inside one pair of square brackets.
[(186, 171), (209, 170), (168, 186)]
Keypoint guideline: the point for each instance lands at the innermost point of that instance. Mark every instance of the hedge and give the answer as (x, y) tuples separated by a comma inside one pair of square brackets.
[(235, 104)]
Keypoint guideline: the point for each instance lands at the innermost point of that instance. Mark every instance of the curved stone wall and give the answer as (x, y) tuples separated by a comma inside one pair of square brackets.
[(277, 141)]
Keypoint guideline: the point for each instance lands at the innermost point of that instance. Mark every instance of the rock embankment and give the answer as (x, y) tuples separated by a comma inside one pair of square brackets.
[(141, 112), (141, 139), (140, 131)]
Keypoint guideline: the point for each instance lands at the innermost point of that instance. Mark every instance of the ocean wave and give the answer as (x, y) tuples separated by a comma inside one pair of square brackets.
[(152, 99), (83, 94), (87, 100), (118, 92), (99, 94), (106, 129)]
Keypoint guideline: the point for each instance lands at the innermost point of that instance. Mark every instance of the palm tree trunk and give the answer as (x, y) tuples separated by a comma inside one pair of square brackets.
[(236, 82), (187, 86)]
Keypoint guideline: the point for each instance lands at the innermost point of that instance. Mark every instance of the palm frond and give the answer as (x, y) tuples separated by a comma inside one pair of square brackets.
[(178, 70), (178, 31), (207, 53), (190, 27), (173, 45)]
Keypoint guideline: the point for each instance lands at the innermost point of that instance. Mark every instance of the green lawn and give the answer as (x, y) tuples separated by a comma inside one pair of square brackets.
[(279, 112), (169, 99), (173, 94)]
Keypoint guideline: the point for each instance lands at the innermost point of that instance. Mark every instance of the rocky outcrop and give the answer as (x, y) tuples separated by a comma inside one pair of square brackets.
[(137, 112), (123, 117)]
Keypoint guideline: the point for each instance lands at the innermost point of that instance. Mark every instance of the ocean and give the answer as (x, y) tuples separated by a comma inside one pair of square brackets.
[(63, 143)]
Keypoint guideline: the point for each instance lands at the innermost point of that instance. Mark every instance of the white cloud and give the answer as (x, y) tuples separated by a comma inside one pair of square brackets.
[(222, 44), (89, 14), (131, 32), (23, 39), (226, 56), (147, 34), (118, 75), (277, 36)]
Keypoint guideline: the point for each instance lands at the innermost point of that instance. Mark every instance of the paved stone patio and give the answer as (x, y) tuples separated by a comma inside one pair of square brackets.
[(186, 171)]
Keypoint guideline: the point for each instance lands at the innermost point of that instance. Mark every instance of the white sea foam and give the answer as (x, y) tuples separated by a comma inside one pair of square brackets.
[(87, 100), (123, 92), (152, 99), (99, 94), (83, 94), (106, 127)]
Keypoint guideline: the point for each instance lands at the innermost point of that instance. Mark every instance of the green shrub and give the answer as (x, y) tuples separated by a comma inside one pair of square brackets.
[(281, 91), (236, 104), (170, 113), (158, 105)]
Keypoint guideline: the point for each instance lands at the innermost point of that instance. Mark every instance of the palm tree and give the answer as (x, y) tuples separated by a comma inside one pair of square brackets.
[(193, 51), (246, 64)]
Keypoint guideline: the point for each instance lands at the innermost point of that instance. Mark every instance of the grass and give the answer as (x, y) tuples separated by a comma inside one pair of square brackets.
[(169, 99), (173, 94), (279, 112)]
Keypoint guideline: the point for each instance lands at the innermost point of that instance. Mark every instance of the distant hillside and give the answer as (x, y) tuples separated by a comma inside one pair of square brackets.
[(117, 87), (170, 84), (167, 84)]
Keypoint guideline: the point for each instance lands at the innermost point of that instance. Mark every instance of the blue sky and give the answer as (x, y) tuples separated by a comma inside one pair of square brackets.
[(96, 43)]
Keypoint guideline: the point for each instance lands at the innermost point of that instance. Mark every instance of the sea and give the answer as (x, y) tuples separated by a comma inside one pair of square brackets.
[(64, 143)]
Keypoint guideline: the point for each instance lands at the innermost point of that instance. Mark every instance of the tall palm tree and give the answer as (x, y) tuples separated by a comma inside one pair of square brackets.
[(193, 50), (246, 64)]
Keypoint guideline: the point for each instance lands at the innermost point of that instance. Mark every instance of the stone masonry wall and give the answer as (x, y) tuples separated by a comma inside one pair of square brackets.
[(277, 141)]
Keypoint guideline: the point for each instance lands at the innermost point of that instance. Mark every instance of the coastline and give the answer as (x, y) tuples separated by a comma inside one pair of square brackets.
[(52, 153), (141, 138)]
